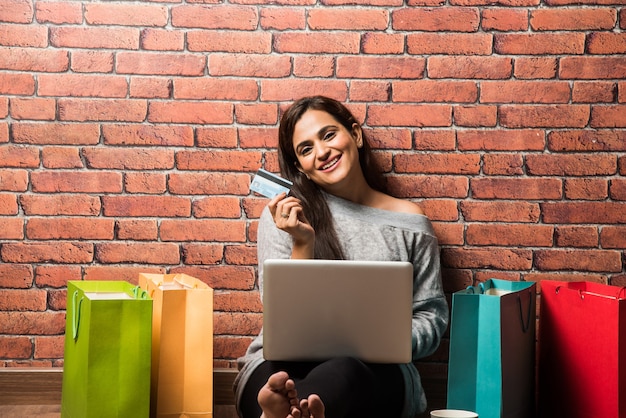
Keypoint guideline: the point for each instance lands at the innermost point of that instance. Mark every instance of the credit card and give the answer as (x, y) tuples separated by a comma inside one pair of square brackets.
[(269, 184)]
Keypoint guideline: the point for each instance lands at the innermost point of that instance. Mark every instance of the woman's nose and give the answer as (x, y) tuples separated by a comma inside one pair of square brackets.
[(321, 151)]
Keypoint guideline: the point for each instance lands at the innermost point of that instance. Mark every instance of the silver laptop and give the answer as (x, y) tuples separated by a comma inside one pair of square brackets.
[(320, 309)]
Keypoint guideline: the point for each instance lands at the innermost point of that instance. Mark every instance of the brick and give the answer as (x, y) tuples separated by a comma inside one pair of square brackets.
[(202, 253), (217, 207), (55, 133), (162, 40), (190, 112), (117, 272), (474, 116), (592, 68), (16, 11), (249, 65), (606, 43), (587, 140), (576, 236), (129, 158), (571, 165), (470, 67), (504, 3), (59, 204), (218, 160), (449, 233), (208, 183), (11, 228), (594, 92), (216, 137), (428, 186), (17, 84), (584, 212), (586, 189), (380, 67), (82, 85), (608, 116), (8, 204), (496, 258), (92, 62), (317, 43), (313, 66), (137, 229), (238, 301), (150, 183), (581, 260), (525, 92), (117, 110), (23, 36), (159, 206), (527, 68), (241, 255), (16, 276), (58, 12), (573, 19), (256, 114), (503, 164), (232, 42), (509, 235), (206, 230), (15, 347), (4, 132), (56, 276), (504, 20), (76, 182), (539, 43), (17, 156), (13, 180), (517, 188), (94, 37), (435, 91), (229, 347), (70, 228), (437, 163), (389, 138), (457, 19), (61, 157), (282, 18), (293, 89), (449, 43), (32, 59), (47, 252), (237, 323), (382, 43), (160, 63), (544, 116), (215, 17), (126, 14), (222, 276), (617, 189), (23, 300), (150, 87), (49, 347), (133, 252), (501, 140), (613, 237), (366, 19), (410, 115), (216, 89), (434, 140), (33, 108), (147, 135)]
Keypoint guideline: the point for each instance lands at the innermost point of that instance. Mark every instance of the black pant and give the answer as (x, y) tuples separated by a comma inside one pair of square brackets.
[(347, 386)]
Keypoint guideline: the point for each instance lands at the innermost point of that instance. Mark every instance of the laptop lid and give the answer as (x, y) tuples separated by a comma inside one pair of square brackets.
[(320, 309)]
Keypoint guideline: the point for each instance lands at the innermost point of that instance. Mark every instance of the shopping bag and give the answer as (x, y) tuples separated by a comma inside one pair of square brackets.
[(182, 345), (491, 368), (106, 370), (582, 350)]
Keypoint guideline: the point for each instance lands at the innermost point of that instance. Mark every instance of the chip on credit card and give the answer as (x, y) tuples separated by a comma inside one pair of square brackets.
[(269, 184)]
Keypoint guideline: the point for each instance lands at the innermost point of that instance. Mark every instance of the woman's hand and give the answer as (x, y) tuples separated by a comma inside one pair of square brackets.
[(289, 217)]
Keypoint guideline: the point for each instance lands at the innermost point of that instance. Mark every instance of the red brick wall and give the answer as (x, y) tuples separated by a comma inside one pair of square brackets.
[(129, 132)]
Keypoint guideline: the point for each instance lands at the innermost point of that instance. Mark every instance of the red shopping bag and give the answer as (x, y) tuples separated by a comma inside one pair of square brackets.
[(582, 350)]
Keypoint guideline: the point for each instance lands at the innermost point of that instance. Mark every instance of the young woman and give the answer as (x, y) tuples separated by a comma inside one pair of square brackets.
[(338, 209)]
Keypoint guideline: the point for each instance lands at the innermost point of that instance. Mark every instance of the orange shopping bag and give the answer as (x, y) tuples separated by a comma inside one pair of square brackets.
[(182, 345)]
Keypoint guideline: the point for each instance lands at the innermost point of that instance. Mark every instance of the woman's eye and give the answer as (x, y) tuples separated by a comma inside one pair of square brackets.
[(329, 135), (305, 150)]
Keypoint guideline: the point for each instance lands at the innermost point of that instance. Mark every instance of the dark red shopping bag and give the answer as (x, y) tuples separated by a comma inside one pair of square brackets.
[(582, 350)]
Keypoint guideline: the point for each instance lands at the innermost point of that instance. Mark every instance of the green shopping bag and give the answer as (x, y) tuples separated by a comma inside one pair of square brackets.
[(108, 339), (491, 368)]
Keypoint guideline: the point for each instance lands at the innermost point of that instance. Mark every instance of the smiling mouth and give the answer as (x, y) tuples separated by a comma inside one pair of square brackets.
[(330, 164)]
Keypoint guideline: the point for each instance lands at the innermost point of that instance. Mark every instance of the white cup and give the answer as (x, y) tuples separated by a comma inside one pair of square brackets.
[(452, 413)]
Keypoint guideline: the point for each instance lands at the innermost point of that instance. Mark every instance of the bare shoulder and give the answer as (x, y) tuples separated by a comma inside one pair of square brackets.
[(400, 205)]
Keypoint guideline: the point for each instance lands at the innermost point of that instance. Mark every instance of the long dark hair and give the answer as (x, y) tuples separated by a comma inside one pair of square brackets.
[(313, 202)]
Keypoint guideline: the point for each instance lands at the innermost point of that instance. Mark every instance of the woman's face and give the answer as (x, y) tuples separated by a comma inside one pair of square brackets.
[(327, 152)]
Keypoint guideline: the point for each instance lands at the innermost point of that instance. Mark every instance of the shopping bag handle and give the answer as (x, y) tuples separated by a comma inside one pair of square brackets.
[(76, 314), (526, 325), (582, 293), (139, 293)]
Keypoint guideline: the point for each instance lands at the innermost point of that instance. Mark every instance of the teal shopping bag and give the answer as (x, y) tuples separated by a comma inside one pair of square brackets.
[(491, 368), (107, 356)]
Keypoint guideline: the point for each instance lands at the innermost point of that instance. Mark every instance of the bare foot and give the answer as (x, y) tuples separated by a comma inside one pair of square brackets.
[(312, 407), (278, 398)]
